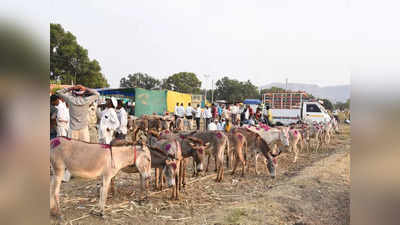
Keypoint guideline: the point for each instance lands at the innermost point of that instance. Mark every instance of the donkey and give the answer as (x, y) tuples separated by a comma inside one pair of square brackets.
[(238, 144), (88, 160), (263, 145), (191, 147), (218, 143), (165, 155), (295, 138), (312, 135)]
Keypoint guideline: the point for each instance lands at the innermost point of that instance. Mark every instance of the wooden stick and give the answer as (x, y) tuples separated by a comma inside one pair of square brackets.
[(183, 218), (87, 215)]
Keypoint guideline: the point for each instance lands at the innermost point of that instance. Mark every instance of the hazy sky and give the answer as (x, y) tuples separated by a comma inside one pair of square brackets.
[(264, 41)]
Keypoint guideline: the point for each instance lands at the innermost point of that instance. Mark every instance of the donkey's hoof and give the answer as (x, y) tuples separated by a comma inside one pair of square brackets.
[(56, 216), (97, 213)]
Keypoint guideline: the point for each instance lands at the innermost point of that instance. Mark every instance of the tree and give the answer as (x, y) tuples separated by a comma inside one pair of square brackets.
[(327, 104), (233, 90), (184, 82), (343, 105), (70, 62), (141, 80)]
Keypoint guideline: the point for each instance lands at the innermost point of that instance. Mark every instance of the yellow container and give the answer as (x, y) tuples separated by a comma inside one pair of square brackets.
[(174, 97)]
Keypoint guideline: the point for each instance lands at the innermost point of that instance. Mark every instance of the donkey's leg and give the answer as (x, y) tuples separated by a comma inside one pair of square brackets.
[(208, 162), (183, 169), (54, 195), (296, 151), (215, 163), (112, 186), (58, 175), (156, 178), (194, 167), (255, 163), (177, 178), (236, 164), (103, 193)]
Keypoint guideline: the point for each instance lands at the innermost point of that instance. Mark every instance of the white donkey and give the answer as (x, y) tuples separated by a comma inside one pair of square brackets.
[(295, 138), (88, 160), (276, 138)]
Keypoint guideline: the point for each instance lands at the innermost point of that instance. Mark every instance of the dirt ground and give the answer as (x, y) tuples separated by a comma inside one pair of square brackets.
[(315, 190)]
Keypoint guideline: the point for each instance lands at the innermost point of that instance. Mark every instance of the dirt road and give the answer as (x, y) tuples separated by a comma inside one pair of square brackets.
[(315, 190)]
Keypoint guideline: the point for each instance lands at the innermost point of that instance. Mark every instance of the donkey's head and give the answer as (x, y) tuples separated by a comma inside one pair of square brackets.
[(143, 162), (284, 136), (198, 148), (170, 170)]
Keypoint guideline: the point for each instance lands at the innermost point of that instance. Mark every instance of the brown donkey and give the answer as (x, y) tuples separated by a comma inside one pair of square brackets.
[(87, 160)]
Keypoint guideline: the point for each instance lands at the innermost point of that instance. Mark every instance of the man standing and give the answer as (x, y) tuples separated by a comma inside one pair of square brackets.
[(176, 113), (109, 122), (234, 112), (79, 98), (208, 116), (181, 111), (123, 120), (62, 118), (189, 115), (197, 116), (93, 133)]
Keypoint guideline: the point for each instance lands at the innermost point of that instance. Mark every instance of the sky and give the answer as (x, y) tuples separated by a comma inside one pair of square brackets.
[(309, 41)]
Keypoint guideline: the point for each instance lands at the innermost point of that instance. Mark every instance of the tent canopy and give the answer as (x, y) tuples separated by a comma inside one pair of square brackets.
[(129, 92), (252, 102)]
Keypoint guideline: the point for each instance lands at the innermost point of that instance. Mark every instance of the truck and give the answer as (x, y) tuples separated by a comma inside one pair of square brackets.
[(292, 107)]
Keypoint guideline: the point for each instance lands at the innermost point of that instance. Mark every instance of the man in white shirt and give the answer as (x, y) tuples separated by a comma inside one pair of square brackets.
[(221, 125), (109, 122), (181, 111), (176, 111), (189, 115), (123, 120), (62, 118), (197, 115), (208, 116), (213, 125)]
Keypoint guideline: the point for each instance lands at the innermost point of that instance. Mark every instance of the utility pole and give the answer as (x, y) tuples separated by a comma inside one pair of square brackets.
[(212, 91), (205, 87), (286, 84)]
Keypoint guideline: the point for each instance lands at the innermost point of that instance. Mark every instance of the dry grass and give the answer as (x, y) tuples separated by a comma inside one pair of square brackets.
[(312, 191)]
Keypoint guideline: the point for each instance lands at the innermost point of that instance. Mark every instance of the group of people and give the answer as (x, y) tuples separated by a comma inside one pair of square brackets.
[(76, 113), (221, 116)]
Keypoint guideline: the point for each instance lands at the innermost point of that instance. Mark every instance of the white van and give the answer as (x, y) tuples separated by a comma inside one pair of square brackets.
[(309, 112)]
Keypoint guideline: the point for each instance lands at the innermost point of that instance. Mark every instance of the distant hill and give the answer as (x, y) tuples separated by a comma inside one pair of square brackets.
[(334, 93)]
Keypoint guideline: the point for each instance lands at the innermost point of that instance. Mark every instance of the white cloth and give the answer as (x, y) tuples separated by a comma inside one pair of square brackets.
[(197, 112), (109, 120), (189, 111), (247, 114), (212, 126), (204, 113), (62, 119), (208, 113), (220, 126), (234, 109), (180, 111), (176, 110), (123, 120)]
